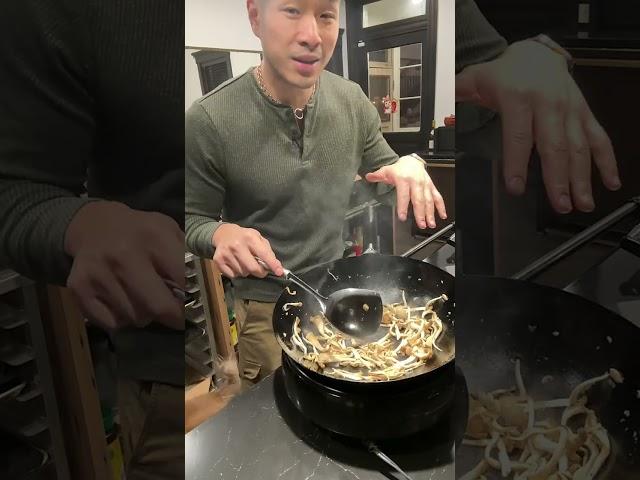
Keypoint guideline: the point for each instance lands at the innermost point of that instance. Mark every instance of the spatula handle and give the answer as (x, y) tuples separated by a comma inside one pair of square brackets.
[(298, 281), (293, 278)]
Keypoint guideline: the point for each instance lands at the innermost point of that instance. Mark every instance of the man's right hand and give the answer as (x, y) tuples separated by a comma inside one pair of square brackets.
[(236, 249), (122, 261)]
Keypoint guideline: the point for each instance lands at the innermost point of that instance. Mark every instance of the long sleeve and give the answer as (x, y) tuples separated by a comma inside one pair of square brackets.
[(476, 40), (205, 184), (46, 134)]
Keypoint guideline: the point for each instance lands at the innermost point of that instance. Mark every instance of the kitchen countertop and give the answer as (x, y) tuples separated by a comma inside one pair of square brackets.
[(447, 159), (261, 436)]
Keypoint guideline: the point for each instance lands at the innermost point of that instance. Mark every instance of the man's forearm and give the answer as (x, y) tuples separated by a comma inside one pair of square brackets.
[(199, 233), (476, 40), (35, 218)]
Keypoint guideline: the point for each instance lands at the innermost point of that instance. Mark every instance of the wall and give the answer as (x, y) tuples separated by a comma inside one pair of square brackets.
[(192, 89), (224, 25), (242, 61), (219, 24), (445, 62)]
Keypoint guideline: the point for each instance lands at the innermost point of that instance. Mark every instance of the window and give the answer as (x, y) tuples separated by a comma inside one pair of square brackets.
[(395, 60), (395, 74), (387, 11)]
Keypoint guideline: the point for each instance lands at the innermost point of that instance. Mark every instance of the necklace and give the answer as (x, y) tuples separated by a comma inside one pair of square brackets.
[(297, 112)]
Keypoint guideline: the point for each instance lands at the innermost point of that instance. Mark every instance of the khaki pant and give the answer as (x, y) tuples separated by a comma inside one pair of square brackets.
[(258, 348), (152, 420)]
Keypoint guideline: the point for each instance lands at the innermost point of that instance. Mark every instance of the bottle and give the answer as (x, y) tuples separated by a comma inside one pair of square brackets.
[(114, 450), (432, 136), (233, 328)]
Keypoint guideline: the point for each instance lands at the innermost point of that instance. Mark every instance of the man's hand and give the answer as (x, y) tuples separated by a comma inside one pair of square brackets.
[(236, 249), (122, 259), (412, 183), (530, 86)]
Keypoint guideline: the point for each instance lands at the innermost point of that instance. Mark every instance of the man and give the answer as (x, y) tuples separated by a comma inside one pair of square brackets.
[(276, 150), (92, 94)]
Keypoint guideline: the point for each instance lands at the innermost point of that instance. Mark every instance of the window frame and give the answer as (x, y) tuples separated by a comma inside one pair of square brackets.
[(421, 29)]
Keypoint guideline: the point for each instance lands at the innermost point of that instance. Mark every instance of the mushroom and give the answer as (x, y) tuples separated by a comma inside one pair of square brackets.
[(504, 421), (408, 344)]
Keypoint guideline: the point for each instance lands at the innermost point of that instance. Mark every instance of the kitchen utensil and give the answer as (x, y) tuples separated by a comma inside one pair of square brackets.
[(354, 311)]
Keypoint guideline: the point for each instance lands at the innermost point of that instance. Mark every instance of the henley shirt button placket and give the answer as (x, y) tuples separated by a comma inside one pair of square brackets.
[(296, 139), (296, 145)]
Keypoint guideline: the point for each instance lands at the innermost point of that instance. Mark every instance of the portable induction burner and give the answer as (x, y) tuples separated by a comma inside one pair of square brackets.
[(375, 411), (427, 453)]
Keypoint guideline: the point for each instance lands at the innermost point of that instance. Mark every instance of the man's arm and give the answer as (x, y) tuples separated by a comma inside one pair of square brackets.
[(541, 106), (233, 248), (380, 164), (46, 134), (204, 181), (476, 39), (116, 261)]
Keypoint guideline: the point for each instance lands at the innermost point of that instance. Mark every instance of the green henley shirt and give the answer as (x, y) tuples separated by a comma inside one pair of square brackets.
[(248, 163)]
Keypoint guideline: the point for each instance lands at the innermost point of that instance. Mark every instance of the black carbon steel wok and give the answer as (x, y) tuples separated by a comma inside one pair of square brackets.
[(556, 335), (389, 275)]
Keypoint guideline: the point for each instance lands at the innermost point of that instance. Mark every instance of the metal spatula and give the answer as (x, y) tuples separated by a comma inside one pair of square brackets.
[(356, 312)]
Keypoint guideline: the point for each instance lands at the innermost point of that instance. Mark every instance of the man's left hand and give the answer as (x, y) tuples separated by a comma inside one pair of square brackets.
[(412, 182), (541, 105)]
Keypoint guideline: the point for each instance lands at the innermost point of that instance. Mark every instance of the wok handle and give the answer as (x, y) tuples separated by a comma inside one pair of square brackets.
[(376, 451), (543, 263), (429, 240)]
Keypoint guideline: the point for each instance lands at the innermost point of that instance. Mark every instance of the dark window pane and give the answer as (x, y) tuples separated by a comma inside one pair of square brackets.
[(216, 74), (410, 81), (385, 11), (379, 56), (410, 113), (379, 88), (411, 54)]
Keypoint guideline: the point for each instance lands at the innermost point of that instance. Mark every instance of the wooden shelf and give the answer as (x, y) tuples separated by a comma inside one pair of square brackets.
[(70, 357), (42, 409), (216, 302)]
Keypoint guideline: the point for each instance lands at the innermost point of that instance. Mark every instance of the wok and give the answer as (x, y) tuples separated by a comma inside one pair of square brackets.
[(556, 335), (389, 275)]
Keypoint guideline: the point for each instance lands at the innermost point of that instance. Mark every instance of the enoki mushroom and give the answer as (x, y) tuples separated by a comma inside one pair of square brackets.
[(287, 306), (408, 344), (520, 446)]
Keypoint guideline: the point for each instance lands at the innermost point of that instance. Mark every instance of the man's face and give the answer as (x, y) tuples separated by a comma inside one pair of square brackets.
[(298, 36)]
